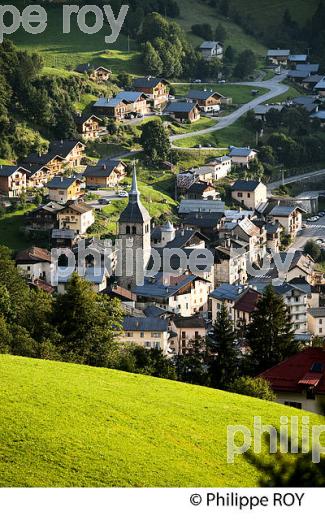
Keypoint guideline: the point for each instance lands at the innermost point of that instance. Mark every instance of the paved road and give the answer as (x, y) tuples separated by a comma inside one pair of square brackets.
[(276, 88), (313, 231), (296, 178)]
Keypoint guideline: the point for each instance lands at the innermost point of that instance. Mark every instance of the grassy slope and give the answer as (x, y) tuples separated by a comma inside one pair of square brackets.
[(66, 51), (68, 425), (11, 234), (236, 135), (268, 12), (193, 12)]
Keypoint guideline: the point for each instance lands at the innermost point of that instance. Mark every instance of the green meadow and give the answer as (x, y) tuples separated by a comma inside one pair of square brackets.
[(67, 425)]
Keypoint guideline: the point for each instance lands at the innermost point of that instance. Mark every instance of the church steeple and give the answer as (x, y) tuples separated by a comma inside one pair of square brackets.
[(134, 194), (135, 235)]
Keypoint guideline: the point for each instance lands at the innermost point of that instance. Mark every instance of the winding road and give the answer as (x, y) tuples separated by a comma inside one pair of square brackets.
[(276, 88)]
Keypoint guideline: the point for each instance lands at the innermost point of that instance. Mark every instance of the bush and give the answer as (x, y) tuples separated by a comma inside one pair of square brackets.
[(253, 387)]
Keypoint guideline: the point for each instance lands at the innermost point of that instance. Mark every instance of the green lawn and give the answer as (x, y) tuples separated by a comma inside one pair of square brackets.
[(236, 135), (240, 94), (75, 426), (11, 234), (290, 94)]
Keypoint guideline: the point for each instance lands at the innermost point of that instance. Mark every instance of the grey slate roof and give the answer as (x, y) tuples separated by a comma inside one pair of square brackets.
[(227, 291), (131, 323), (300, 74), (309, 68), (239, 152), (103, 168), (180, 106), (285, 211), (298, 57), (278, 52), (129, 97), (242, 185), (313, 79), (134, 212), (7, 171), (318, 312), (104, 102), (61, 182), (203, 220), (202, 95), (209, 45), (321, 84), (148, 82), (158, 289)]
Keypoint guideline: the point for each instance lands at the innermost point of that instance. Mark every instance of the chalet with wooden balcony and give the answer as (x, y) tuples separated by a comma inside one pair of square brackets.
[(88, 126), (13, 180), (156, 88)]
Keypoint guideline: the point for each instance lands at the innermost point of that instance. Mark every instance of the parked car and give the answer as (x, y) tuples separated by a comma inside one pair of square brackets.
[(104, 202), (123, 194), (197, 81)]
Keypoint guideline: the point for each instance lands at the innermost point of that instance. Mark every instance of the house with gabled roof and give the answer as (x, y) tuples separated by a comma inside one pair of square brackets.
[(211, 49), (100, 74), (13, 180), (149, 333), (77, 216), (183, 295), (242, 156), (88, 126), (35, 264), (249, 194), (44, 217), (183, 112), (123, 103), (226, 294), (187, 332), (62, 189), (64, 153), (244, 307), (208, 100), (107, 173), (278, 56), (295, 59), (299, 381), (319, 88), (289, 217), (230, 261), (157, 89)]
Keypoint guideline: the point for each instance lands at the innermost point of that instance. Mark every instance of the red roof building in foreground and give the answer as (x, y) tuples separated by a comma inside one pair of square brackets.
[(299, 381)]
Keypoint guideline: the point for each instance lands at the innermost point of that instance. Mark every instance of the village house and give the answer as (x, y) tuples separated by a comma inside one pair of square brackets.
[(208, 224), (309, 103), (184, 294), (99, 74), (167, 236), (63, 189), (61, 155), (98, 278), (319, 88), (202, 190), (244, 306), (186, 333), (76, 216), (13, 180), (245, 230), (43, 218), (242, 156), (222, 167), (210, 50), (183, 112), (261, 111), (35, 264), (226, 294), (113, 108), (37, 176), (106, 174), (299, 381), (230, 262), (273, 234), (309, 82), (122, 104), (208, 100), (148, 333), (250, 194), (292, 265), (200, 206), (316, 321), (157, 89), (278, 56), (289, 217), (88, 126), (296, 59)]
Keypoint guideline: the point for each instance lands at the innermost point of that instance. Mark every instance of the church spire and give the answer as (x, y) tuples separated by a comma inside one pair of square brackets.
[(134, 193)]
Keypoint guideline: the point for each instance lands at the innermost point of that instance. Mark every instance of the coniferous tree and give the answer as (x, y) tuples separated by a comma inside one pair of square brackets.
[(270, 334), (224, 355)]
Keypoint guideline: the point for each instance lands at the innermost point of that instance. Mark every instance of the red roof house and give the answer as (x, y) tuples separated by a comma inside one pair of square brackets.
[(300, 380)]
